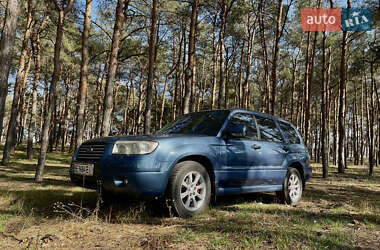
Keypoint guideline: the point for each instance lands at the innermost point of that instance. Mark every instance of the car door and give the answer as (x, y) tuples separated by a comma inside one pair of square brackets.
[(271, 152), (238, 155)]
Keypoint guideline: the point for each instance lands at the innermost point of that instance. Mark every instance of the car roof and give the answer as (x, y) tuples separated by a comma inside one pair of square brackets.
[(261, 114), (244, 110), (254, 112), (234, 110)]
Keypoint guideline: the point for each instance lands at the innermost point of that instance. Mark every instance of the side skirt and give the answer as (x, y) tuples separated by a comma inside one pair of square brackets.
[(248, 189)]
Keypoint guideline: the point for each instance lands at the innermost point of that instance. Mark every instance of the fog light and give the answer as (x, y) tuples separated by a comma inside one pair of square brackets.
[(118, 182), (121, 182)]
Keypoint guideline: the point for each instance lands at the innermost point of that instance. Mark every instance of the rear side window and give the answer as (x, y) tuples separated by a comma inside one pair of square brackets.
[(249, 121), (268, 129), (290, 132)]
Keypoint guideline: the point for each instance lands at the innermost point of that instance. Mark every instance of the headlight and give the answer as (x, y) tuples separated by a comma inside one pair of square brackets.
[(134, 147)]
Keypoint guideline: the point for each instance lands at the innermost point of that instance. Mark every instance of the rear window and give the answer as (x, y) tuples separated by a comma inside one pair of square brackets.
[(268, 129), (290, 132)]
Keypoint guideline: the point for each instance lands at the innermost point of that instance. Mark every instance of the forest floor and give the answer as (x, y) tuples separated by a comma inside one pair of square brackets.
[(342, 212)]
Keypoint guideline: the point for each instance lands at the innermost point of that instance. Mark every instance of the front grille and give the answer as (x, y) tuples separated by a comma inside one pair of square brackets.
[(91, 151)]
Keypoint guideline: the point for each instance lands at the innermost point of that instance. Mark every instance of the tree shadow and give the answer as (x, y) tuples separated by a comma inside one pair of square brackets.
[(55, 156), (344, 194), (30, 168), (41, 203), (47, 181), (56, 199), (228, 200), (245, 228), (309, 217)]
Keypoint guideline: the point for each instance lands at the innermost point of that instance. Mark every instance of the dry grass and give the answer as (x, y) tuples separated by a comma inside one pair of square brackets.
[(342, 212)]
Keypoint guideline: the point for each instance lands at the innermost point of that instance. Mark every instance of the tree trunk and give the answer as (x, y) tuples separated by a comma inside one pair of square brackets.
[(309, 89), (240, 84), (355, 127), (24, 117), (306, 92), (328, 103), (62, 11), (265, 104), (8, 35), (251, 40), (181, 87), (294, 77), (227, 78), (189, 71), (342, 102), (156, 114), (194, 81), (362, 124), (122, 5), (82, 93), (126, 105), (276, 49), (21, 114), (140, 105), (335, 129), (133, 123), (99, 101), (11, 133), (152, 60), (32, 118), (378, 118), (177, 82), (222, 17), (174, 66), (203, 86), (65, 114), (325, 163), (214, 59), (44, 105), (371, 158), (72, 141)]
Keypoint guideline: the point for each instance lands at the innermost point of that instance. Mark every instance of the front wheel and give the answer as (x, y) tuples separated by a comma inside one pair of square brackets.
[(189, 188), (292, 188)]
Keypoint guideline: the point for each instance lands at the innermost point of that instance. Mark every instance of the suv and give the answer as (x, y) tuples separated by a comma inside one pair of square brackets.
[(199, 156)]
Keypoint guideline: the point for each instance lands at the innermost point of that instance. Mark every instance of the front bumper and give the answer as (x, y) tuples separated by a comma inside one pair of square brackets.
[(144, 184)]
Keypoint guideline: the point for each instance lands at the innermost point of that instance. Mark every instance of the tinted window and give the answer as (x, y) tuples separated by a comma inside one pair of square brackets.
[(249, 121), (268, 129), (201, 123), (290, 132)]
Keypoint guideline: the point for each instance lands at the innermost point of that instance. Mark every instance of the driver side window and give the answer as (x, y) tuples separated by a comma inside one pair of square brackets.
[(249, 121)]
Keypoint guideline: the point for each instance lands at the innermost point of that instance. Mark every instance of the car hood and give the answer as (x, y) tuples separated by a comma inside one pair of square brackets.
[(112, 139)]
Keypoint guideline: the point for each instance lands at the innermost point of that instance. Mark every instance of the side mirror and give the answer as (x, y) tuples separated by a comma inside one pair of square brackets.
[(236, 130)]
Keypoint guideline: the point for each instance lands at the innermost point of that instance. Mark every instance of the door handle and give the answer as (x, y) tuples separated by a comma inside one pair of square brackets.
[(255, 147)]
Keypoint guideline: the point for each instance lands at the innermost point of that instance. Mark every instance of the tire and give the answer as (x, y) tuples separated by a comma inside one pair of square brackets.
[(189, 189), (292, 190)]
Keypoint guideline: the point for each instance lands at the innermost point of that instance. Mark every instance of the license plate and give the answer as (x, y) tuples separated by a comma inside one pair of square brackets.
[(83, 169)]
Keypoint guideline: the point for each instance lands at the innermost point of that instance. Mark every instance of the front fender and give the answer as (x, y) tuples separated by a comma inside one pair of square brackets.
[(187, 151)]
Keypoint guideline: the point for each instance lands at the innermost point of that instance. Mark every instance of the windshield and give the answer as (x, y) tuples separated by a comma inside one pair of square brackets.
[(202, 123)]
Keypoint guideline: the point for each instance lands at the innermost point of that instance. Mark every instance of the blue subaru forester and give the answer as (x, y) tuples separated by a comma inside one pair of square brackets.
[(199, 156)]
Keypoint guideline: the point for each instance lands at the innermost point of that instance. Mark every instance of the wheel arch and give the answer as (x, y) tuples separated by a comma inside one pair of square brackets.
[(207, 164), (299, 167)]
